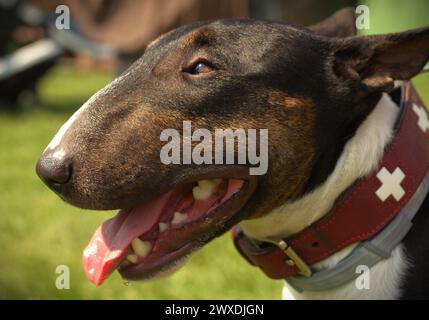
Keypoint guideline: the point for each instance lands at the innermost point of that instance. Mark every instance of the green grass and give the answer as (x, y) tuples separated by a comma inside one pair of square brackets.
[(388, 16), (38, 231)]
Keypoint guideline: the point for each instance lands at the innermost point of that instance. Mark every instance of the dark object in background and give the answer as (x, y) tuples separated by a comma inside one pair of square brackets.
[(20, 88), (25, 56), (126, 27)]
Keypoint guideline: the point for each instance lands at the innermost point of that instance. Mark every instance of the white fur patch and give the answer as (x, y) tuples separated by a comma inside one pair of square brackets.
[(66, 126), (359, 158), (60, 134)]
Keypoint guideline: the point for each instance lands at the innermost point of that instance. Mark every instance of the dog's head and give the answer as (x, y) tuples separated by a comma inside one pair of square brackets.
[(310, 92)]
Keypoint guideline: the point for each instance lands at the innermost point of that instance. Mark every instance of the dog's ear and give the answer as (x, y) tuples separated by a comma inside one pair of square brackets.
[(341, 24), (375, 62)]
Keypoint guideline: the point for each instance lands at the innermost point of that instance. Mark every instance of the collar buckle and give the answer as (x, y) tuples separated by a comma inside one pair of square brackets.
[(294, 258)]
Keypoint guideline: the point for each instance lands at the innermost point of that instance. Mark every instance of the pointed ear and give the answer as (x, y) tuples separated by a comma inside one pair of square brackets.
[(341, 24), (376, 61)]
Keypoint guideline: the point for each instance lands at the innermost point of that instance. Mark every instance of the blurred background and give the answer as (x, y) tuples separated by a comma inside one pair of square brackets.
[(46, 74)]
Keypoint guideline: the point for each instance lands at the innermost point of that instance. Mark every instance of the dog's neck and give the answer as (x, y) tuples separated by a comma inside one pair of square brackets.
[(360, 157)]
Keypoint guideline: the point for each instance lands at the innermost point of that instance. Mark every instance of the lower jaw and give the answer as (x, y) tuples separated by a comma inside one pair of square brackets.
[(151, 268)]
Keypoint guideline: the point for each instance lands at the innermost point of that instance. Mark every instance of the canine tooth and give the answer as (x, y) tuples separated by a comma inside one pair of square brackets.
[(163, 226), (205, 183), (141, 248), (132, 258), (209, 183), (179, 217), (205, 188), (200, 193)]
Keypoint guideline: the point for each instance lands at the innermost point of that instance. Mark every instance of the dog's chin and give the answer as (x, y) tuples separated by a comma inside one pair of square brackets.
[(159, 273), (153, 239)]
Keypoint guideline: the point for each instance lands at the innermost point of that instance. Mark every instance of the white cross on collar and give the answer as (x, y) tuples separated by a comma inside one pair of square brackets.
[(423, 121), (390, 184)]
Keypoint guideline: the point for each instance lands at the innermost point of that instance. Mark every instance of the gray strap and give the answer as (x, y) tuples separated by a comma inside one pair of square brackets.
[(369, 252)]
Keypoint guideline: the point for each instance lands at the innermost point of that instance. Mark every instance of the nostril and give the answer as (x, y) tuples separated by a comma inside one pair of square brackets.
[(54, 169)]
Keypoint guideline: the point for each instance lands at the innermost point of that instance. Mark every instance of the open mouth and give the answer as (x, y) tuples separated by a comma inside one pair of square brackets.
[(149, 238)]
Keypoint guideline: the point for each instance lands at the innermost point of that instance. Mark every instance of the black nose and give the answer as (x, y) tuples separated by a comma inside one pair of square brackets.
[(54, 168)]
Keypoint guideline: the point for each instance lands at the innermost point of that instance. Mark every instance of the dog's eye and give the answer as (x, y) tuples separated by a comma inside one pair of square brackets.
[(199, 67)]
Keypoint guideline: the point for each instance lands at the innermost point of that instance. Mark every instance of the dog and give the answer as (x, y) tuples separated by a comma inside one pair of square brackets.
[(323, 94)]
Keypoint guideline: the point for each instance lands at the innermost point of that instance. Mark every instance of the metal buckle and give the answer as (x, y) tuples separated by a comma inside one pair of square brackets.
[(294, 258)]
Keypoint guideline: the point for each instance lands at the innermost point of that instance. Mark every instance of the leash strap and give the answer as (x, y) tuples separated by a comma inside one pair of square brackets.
[(361, 212)]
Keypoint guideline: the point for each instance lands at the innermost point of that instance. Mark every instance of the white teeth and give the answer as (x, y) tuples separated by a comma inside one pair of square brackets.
[(179, 217), (205, 188), (205, 183), (209, 183), (163, 226), (132, 258), (200, 193), (141, 248)]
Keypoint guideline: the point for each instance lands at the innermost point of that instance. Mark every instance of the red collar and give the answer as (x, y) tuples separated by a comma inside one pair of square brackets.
[(362, 211)]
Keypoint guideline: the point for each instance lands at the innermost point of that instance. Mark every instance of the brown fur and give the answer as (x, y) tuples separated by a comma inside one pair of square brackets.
[(199, 37)]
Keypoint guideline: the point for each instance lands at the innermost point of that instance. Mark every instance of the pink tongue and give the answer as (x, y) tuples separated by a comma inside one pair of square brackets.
[(110, 241)]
